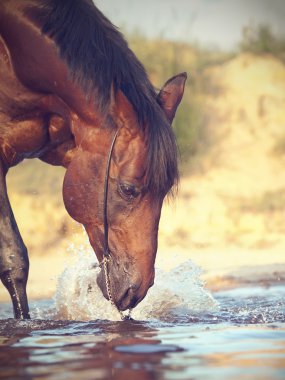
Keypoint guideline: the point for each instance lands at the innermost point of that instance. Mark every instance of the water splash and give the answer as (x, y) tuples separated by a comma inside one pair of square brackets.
[(176, 295)]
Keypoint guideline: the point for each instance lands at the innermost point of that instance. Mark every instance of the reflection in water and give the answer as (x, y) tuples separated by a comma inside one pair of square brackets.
[(242, 339), (128, 350), (82, 350)]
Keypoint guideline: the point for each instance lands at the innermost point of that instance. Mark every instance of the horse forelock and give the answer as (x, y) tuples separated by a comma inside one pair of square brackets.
[(99, 59)]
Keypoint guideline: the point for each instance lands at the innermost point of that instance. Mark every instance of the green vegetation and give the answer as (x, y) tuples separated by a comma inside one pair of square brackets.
[(260, 40)]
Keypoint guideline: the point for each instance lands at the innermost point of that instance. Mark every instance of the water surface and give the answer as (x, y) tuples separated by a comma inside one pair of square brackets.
[(180, 332)]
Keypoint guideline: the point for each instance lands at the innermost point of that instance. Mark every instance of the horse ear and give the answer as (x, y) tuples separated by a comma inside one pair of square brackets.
[(171, 94), (120, 106)]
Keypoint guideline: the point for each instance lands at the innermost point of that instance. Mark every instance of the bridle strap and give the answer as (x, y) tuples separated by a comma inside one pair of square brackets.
[(105, 209), (106, 253)]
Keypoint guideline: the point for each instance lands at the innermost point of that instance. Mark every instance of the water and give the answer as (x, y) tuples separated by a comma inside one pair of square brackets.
[(180, 331)]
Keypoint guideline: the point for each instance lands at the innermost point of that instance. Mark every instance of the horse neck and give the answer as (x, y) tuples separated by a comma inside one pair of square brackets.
[(67, 110)]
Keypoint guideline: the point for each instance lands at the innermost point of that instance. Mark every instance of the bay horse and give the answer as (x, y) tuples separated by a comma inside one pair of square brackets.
[(72, 93)]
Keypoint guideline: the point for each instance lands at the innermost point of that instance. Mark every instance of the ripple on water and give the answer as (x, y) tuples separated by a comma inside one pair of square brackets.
[(147, 348)]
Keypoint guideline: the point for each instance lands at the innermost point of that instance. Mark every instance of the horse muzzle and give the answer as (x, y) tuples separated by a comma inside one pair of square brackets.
[(126, 290)]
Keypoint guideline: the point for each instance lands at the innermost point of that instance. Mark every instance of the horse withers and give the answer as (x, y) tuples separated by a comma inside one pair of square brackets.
[(72, 93)]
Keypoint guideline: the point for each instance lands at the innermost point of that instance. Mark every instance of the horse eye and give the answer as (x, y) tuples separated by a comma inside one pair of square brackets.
[(128, 191)]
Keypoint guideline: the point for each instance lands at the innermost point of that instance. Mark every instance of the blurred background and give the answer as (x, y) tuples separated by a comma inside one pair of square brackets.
[(230, 129)]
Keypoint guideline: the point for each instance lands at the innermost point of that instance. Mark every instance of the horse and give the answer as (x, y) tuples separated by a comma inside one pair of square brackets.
[(72, 93)]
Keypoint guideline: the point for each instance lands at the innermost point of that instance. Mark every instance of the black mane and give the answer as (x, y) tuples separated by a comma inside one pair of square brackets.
[(98, 57)]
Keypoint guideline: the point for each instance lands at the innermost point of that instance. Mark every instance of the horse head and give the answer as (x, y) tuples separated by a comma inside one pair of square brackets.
[(136, 188), (74, 94)]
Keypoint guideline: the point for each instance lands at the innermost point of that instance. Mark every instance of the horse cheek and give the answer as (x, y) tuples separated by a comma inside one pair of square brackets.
[(74, 198), (70, 198)]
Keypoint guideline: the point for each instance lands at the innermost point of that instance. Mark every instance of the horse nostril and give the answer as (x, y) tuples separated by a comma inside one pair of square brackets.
[(130, 298)]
